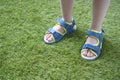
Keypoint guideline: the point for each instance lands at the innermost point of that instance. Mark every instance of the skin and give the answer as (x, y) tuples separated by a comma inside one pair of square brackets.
[(99, 9)]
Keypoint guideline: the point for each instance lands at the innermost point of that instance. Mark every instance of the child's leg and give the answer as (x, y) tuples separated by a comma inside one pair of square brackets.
[(99, 10), (67, 7)]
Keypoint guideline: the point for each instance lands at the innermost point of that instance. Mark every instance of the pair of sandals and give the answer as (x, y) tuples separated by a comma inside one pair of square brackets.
[(70, 28)]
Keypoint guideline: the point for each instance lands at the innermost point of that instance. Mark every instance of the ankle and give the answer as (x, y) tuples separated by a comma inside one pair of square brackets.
[(68, 21), (95, 28)]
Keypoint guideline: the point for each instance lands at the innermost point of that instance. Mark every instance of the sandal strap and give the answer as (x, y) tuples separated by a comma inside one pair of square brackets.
[(97, 35), (69, 28), (96, 49), (57, 36)]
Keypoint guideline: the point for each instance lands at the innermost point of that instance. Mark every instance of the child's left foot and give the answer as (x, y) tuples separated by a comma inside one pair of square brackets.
[(92, 48), (92, 41)]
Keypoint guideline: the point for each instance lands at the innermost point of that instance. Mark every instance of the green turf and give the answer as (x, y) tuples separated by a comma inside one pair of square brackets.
[(24, 56)]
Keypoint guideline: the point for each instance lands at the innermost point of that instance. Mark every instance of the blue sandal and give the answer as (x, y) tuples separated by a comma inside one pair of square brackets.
[(57, 36), (96, 48)]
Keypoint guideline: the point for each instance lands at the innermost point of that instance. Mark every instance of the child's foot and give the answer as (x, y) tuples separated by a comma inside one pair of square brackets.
[(57, 33), (92, 41), (92, 48), (57, 28)]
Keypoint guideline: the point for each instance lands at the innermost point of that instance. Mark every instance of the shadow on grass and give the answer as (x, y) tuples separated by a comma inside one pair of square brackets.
[(77, 39), (109, 50), (108, 47), (77, 36)]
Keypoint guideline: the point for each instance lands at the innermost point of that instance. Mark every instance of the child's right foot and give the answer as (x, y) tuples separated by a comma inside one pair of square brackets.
[(56, 33), (58, 28)]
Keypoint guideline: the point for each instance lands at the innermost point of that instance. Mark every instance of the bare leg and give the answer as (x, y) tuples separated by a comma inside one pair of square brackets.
[(99, 9), (67, 7)]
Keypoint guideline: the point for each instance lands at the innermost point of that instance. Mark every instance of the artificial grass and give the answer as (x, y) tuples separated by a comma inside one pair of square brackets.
[(24, 56)]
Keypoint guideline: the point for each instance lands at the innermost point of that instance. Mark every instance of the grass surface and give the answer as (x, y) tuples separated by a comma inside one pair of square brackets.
[(24, 56)]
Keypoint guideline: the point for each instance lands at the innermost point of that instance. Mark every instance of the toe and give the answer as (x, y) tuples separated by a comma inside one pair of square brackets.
[(47, 36), (90, 54), (50, 39), (84, 53)]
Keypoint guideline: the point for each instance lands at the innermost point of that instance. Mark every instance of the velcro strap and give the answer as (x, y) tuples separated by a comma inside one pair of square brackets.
[(96, 49), (69, 28), (57, 36), (97, 35)]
